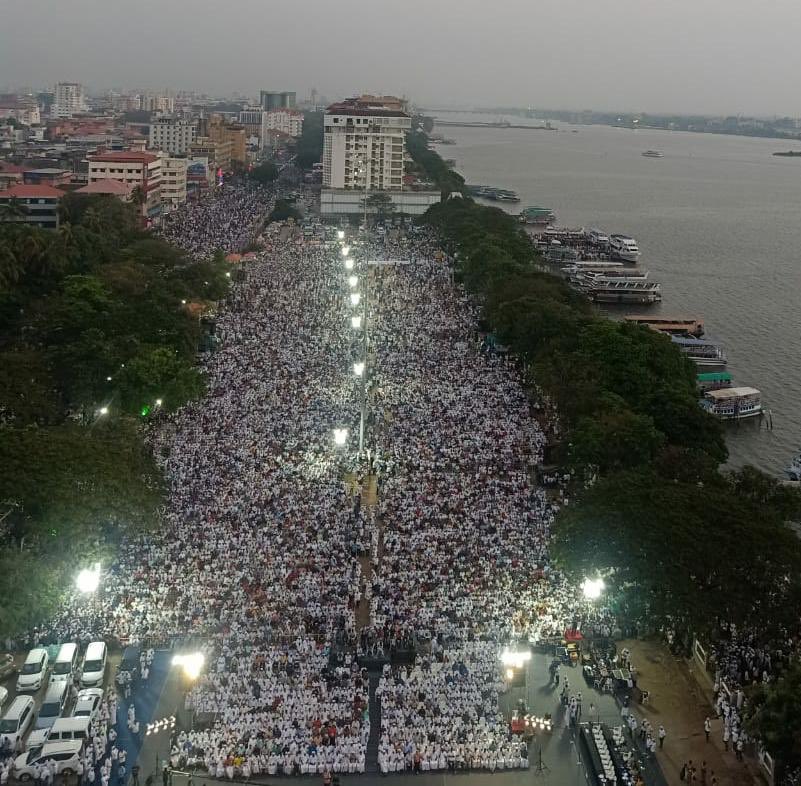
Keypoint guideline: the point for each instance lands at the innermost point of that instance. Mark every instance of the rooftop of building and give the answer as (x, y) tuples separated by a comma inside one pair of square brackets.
[(106, 186), (31, 192), (372, 106), (125, 157)]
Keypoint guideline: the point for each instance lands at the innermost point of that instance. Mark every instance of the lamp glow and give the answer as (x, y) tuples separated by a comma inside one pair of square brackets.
[(348, 264), (192, 663), (158, 402), (340, 436), (353, 280), (88, 580), (356, 323), (592, 588), (345, 250), (510, 673), (355, 298), (341, 235), (515, 659), (103, 411), (358, 369)]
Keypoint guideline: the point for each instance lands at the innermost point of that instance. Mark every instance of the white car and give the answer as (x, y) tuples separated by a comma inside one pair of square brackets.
[(87, 705), (65, 754)]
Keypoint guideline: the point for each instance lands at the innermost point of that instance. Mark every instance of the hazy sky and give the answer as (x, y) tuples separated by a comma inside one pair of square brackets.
[(707, 56)]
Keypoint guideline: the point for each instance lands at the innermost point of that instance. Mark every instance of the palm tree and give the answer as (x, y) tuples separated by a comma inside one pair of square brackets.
[(10, 267), (14, 210), (91, 219)]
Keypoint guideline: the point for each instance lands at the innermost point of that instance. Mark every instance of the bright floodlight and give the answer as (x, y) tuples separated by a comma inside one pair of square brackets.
[(108, 379), (88, 580), (358, 369), (103, 410), (348, 264), (515, 659), (340, 436), (510, 674), (353, 280), (355, 298), (345, 250), (592, 588), (356, 323), (341, 235), (191, 663), (228, 274), (158, 402)]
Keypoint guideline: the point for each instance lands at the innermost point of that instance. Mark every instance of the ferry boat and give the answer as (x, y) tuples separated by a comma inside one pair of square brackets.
[(793, 470), (654, 154), (610, 291), (733, 403), (705, 354), (537, 215), (623, 247), (713, 380), (598, 237), (590, 277), (676, 325)]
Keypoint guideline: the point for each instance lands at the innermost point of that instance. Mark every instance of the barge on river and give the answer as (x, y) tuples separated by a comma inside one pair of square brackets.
[(733, 403)]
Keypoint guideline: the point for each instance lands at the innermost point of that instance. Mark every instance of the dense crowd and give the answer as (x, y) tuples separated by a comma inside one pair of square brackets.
[(225, 220)]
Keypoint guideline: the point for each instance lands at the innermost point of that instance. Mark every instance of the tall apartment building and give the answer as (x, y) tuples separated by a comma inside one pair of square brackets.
[(272, 100), (172, 134), (69, 99), (131, 167), (220, 131), (287, 121), (157, 103), (173, 181), (363, 145), (218, 154)]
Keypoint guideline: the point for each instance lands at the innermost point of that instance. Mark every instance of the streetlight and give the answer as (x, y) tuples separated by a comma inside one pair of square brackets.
[(356, 322), (355, 298), (345, 250), (341, 235), (158, 402), (592, 588), (102, 411), (348, 264), (340, 436), (358, 369), (88, 580), (353, 280), (192, 663)]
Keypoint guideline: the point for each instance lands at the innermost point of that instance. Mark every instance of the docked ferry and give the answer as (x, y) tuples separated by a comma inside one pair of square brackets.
[(705, 354), (623, 247), (733, 403), (537, 215), (608, 290), (713, 380)]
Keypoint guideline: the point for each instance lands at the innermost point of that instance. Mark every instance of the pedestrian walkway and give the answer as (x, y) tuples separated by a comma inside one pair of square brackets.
[(677, 702), (371, 757)]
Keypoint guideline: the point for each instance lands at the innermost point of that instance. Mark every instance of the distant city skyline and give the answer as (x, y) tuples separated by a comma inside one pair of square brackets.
[(720, 57)]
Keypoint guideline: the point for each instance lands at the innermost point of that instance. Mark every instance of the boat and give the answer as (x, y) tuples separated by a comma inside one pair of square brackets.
[(589, 277), (705, 354), (654, 154), (713, 380), (598, 237), (623, 247), (789, 153), (536, 215), (679, 326), (733, 403), (612, 291)]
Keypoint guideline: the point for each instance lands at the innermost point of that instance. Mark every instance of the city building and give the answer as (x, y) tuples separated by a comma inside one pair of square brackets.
[(272, 100), (157, 103), (221, 131), (173, 181), (35, 205), (51, 176), (251, 118), (218, 154), (172, 134), (139, 169), (364, 148), (23, 109), (115, 188), (287, 121), (69, 100)]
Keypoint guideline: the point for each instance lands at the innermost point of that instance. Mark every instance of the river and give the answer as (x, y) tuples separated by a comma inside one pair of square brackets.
[(718, 221)]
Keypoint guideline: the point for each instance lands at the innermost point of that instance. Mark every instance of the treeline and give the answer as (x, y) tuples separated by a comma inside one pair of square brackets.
[(678, 542), (99, 329), (309, 148), (431, 164)]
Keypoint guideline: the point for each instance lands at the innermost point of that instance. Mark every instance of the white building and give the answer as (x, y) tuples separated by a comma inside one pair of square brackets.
[(173, 181), (172, 135), (69, 100), (364, 144), (142, 170), (287, 121), (157, 103)]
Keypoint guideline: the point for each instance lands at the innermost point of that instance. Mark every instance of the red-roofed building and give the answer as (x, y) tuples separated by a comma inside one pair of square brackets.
[(36, 205), (108, 187), (134, 168), (10, 174)]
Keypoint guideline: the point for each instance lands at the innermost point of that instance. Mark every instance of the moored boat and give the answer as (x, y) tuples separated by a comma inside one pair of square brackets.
[(713, 380), (653, 154), (624, 247), (537, 215), (679, 326), (733, 403), (622, 291), (705, 354)]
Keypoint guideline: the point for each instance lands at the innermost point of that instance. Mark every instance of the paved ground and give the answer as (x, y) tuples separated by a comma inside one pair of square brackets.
[(677, 702)]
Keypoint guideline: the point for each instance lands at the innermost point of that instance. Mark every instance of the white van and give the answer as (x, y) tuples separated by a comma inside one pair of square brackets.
[(63, 730), (33, 671), (55, 701), (94, 665), (65, 664), (18, 719)]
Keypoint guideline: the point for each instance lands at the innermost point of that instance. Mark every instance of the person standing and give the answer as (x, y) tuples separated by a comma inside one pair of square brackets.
[(662, 734), (707, 727)]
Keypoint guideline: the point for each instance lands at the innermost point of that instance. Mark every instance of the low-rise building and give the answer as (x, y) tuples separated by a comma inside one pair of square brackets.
[(140, 169), (115, 188), (35, 205), (50, 176), (288, 121)]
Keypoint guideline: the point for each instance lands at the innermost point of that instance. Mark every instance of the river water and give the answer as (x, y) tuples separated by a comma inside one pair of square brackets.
[(718, 222)]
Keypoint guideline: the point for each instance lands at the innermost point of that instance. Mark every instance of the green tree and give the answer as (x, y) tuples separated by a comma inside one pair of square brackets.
[(379, 204), (283, 210), (265, 173)]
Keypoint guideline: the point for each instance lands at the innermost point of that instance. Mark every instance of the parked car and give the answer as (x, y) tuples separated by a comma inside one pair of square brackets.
[(65, 754), (87, 705), (34, 671), (7, 666)]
